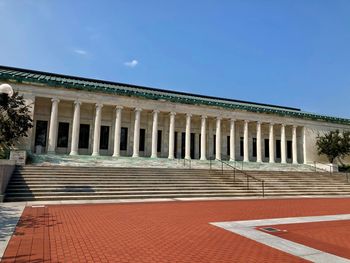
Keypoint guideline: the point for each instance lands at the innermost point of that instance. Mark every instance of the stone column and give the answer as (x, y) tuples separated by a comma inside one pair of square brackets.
[(245, 142), (304, 145), (232, 140), (272, 144), (294, 145), (283, 144), (97, 130), (117, 129), (171, 135), (188, 136), (258, 143), (203, 137), (53, 126), (136, 132), (154, 134), (75, 128), (218, 139)]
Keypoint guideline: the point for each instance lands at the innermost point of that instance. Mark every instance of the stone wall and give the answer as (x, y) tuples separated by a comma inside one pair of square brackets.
[(6, 169)]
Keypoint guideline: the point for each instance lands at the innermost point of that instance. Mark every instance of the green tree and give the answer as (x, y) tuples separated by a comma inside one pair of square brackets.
[(15, 121), (334, 144)]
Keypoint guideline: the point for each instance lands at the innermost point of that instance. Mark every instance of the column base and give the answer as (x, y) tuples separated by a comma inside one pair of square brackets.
[(187, 157), (203, 159), (95, 154), (271, 161), (154, 156), (51, 152), (135, 156), (171, 157), (116, 155), (295, 163), (73, 153)]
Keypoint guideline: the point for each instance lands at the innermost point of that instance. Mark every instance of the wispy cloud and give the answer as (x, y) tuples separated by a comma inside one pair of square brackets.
[(80, 52), (131, 64)]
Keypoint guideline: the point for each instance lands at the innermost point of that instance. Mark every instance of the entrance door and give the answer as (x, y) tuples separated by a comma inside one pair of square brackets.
[(193, 144), (183, 143), (40, 136)]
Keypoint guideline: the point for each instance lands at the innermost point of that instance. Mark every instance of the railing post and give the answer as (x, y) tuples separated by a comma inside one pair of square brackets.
[(263, 188), (315, 166), (247, 182), (222, 167)]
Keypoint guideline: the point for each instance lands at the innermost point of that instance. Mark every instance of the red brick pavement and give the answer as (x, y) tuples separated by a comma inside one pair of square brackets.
[(154, 232), (332, 237)]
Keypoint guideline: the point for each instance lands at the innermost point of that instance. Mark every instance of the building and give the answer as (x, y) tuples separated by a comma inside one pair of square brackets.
[(80, 116)]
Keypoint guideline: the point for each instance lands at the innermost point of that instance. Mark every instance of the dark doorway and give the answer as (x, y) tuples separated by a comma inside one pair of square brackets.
[(193, 145), (267, 148), (183, 139), (142, 140), (41, 133), (278, 149), (62, 136), (84, 135), (289, 149), (123, 138), (175, 145), (104, 137)]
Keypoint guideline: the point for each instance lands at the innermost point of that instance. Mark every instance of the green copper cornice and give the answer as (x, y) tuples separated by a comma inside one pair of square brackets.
[(69, 82)]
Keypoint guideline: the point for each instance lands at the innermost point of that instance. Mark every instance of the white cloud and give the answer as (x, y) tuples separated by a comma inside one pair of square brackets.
[(80, 52), (131, 64)]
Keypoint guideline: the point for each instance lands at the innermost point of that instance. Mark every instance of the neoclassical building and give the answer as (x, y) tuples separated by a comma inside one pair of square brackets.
[(80, 116)]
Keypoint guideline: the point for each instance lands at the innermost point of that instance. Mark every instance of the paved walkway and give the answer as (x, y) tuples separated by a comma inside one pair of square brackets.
[(157, 232)]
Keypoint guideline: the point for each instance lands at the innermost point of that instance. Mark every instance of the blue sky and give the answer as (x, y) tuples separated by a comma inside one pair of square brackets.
[(294, 53)]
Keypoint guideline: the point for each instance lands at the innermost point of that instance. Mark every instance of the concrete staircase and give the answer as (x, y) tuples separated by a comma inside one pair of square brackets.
[(43, 183)]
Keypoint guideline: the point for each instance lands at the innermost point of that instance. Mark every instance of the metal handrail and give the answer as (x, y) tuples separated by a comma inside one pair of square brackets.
[(234, 174), (327, 164)]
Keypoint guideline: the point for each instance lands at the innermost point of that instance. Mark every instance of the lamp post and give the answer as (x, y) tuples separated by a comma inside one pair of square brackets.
[(6, 91)]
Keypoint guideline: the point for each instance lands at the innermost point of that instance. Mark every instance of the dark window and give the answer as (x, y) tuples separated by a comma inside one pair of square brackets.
[(267, 148), (278, 148), (183, 139), (123, 138), (193, 144), (199, 144), (241, 150), (142, 140), (254, 147), (159, 141), (214, 143), (175, 145), (40, 133), (62, 136), (104, 137), (289, 149), (84, 134), (228, 146)]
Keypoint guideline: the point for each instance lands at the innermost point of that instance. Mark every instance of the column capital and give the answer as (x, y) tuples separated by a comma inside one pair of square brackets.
[(118, 107), (172, 113), (295, 126), (259, 122), (137, 109), (77, 102), (283, 125), (156, 111), (232, 119), (218, 118), (204, 116), (271, 124), (188, 115), (98, 105), (246, 121), (55, 100)]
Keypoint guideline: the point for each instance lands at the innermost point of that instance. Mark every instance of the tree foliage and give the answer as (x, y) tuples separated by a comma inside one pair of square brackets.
[(334, 144), (15, 120)]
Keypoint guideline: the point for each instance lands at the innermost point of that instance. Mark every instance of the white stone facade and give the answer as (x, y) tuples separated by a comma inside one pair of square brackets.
[(211, 130)]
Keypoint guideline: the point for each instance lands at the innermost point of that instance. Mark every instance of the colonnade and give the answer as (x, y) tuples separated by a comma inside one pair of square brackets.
[(203, 141)]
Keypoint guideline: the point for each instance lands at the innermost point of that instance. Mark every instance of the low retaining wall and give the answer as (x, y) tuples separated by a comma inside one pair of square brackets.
[(6, 170)]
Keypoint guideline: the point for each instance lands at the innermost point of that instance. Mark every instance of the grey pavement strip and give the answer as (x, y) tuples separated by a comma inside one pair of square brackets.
[(247, 229), (9, 216)]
